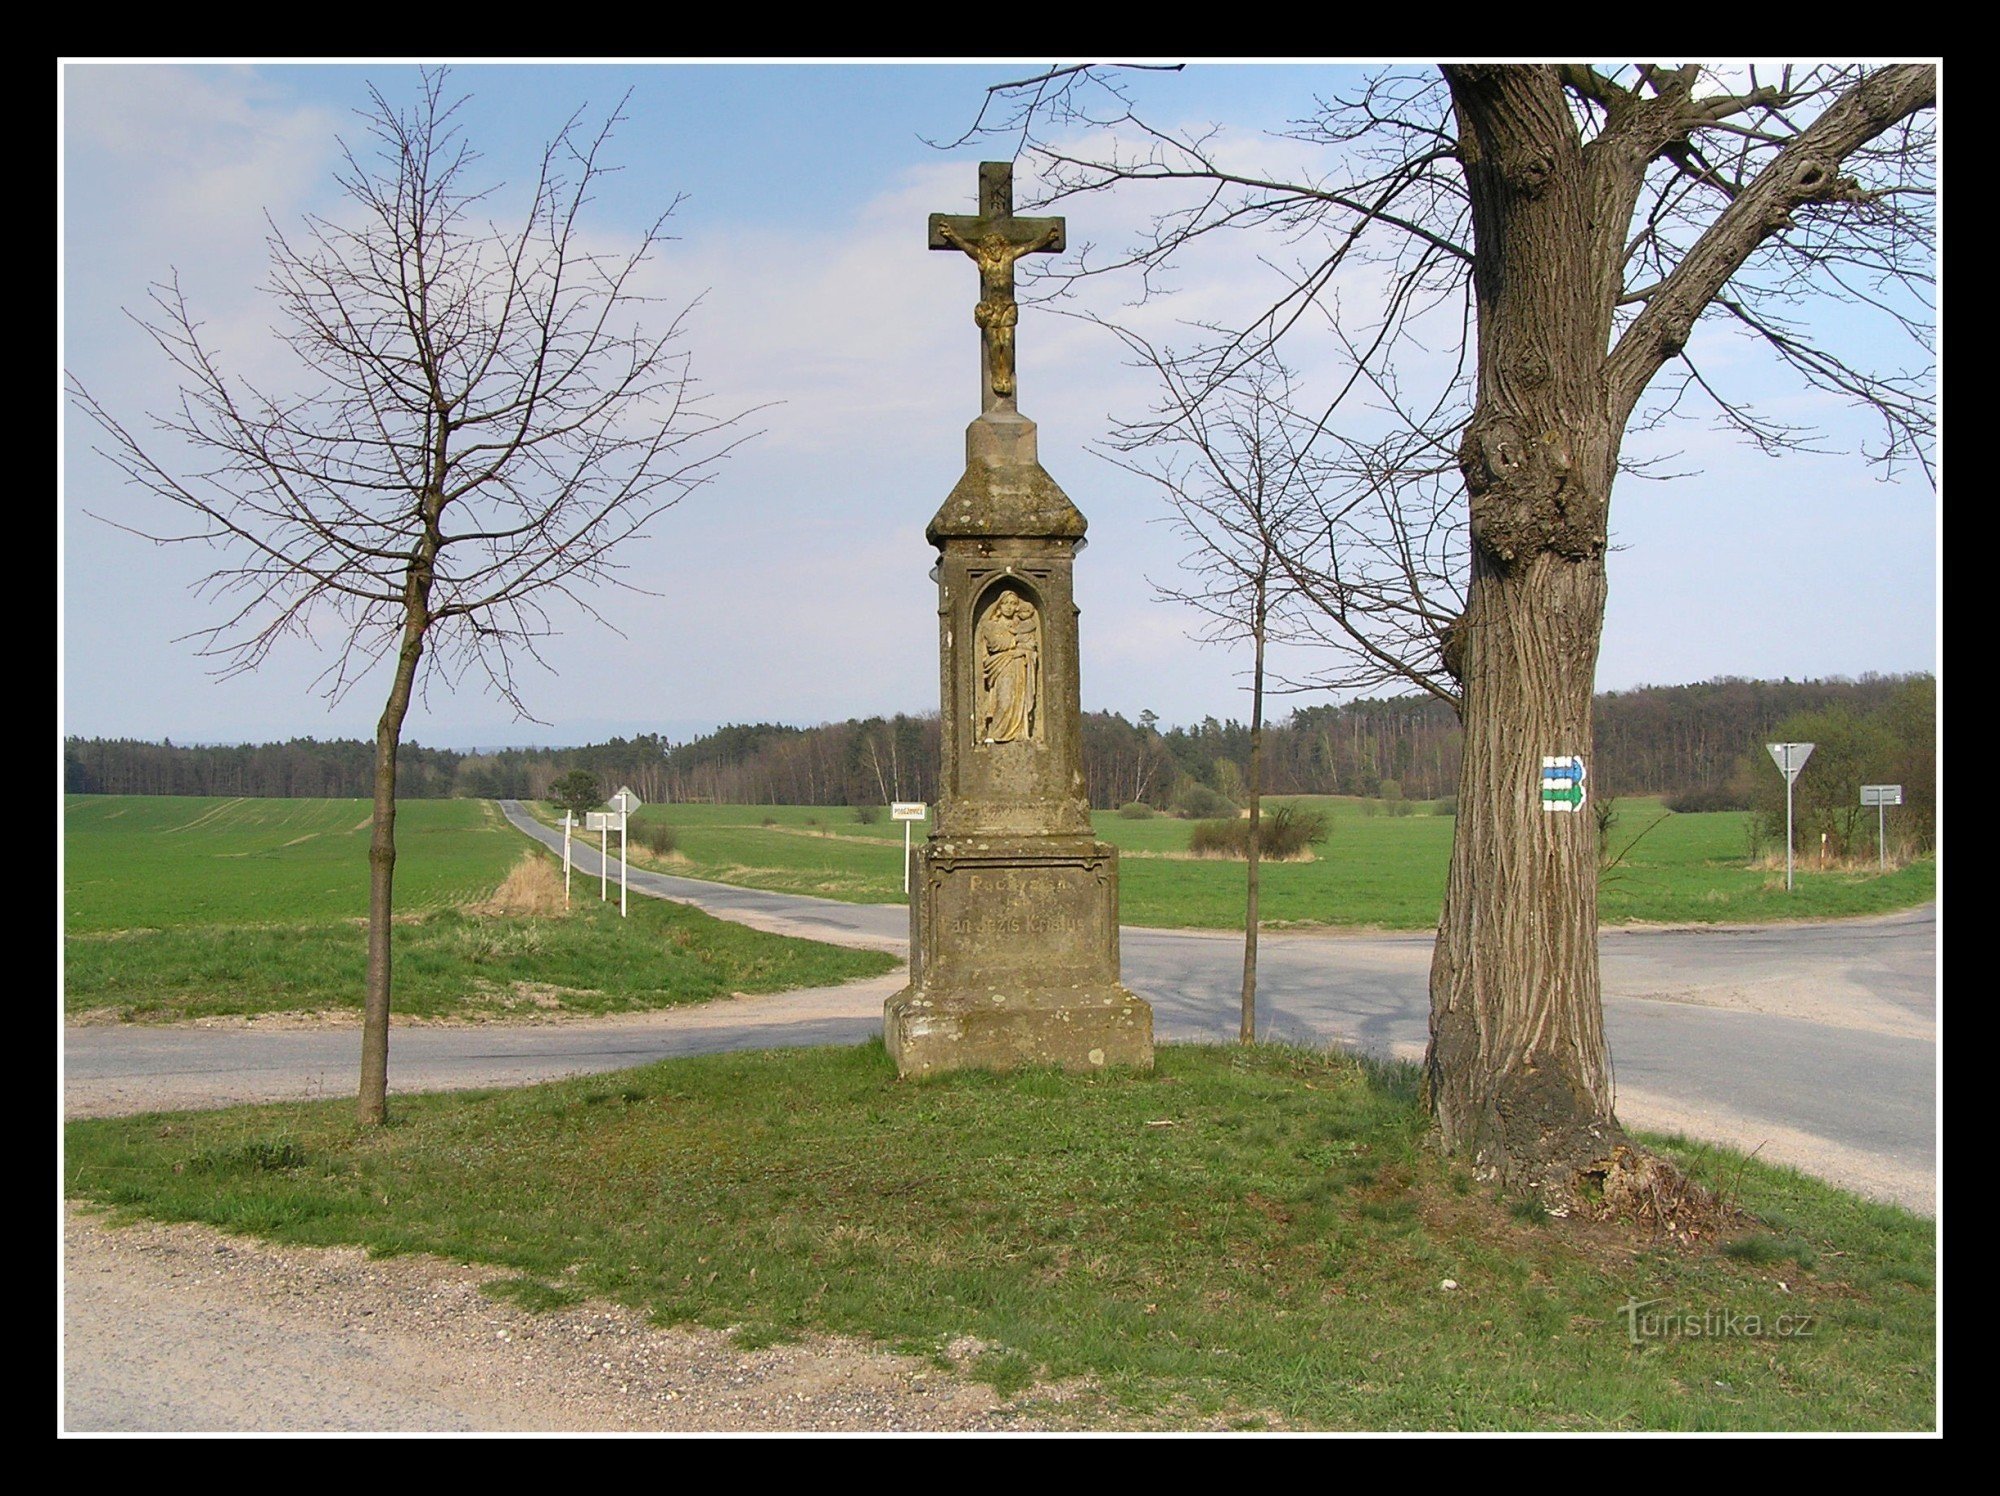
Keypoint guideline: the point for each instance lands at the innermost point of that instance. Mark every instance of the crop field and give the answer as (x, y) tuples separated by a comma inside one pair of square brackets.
[(155, 862), (181, 908)]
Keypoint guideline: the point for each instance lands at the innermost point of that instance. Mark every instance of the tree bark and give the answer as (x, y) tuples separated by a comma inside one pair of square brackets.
[(372, 1100), (372, 1096), (1517, 1072)]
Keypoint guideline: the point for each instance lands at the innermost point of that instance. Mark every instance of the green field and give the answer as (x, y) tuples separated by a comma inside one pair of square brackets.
[(182, 908), (1259, 1235), (157, 862), (1376, 870)]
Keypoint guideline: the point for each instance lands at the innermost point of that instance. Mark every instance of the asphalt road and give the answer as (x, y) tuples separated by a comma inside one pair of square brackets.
[(1814, 1043)]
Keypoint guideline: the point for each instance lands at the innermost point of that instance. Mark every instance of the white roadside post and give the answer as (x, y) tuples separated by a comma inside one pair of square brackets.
[(1790, 758), (1881, 796), (569, 820), (906, 811), (624, 802), (600, 822)]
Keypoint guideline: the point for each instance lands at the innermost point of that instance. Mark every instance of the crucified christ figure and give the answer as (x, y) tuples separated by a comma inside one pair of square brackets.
[(995, 239), (997, 311)]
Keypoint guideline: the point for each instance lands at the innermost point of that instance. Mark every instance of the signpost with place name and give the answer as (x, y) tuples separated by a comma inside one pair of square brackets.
[(907, 811), (1562, 783), (1881, 796), (1790, 758)]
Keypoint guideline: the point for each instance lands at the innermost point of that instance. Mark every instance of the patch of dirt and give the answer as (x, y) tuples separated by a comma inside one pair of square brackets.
[(1649, 1192), (293, 1018), (543, 995), (1611, 1239)]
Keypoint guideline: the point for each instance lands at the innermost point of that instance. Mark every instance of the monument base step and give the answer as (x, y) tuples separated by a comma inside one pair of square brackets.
[(1076, 1028)]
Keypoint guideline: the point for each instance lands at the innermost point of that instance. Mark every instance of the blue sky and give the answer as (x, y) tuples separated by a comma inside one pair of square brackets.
[(794, 588)]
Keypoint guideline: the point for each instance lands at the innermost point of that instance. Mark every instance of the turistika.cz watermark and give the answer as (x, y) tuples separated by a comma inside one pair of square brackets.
[(1644, 1321)]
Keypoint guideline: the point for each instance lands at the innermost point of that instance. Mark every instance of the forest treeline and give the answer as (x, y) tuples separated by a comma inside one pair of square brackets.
[(1700, 745)]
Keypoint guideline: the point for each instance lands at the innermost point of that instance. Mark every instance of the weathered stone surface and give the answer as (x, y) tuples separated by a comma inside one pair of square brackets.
[(1082, 1029), (1013, 900), (1014, 960)]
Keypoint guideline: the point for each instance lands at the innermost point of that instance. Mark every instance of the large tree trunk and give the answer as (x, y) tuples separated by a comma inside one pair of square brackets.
[(1518, 1075)]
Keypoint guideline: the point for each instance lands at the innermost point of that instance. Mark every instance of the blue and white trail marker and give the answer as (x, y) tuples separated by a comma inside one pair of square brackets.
[(1562, 783)]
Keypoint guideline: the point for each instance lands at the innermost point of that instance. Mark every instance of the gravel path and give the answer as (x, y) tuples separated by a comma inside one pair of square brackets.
[(185, 1329)]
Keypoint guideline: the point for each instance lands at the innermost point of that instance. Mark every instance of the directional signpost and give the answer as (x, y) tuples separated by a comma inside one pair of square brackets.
[(1562, 783), (1881, 796), (1790, 758), (906, 811)]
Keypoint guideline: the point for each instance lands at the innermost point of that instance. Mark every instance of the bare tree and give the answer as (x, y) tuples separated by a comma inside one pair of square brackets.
[(484, 412), (1240, 471), (1580, 236)]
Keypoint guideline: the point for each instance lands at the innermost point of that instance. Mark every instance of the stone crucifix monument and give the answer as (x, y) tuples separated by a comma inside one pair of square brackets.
[(1013, 900)]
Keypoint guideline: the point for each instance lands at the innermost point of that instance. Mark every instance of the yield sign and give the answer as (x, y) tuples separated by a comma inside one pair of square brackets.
[(1790, 758), (1562, 783)]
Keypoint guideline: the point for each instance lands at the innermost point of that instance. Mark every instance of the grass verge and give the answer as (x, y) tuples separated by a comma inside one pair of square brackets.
[(1260, 1233)]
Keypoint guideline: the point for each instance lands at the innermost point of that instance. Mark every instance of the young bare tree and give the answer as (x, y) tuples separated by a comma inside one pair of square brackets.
[(484, 411), (1240, 471), (1584, 234)]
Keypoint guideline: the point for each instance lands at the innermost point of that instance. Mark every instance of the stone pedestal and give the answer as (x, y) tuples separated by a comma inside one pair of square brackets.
[(1013, 901), (1014, 960)]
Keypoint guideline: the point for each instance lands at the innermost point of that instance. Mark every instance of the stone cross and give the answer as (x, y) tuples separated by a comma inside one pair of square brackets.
[(1013, 899), (995, 239)]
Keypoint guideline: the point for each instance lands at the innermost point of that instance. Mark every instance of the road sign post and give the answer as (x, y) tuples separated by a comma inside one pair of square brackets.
[(600, 822), (1881, 796), (624, 802), (569, 820), (1790, 758), (906, 811)]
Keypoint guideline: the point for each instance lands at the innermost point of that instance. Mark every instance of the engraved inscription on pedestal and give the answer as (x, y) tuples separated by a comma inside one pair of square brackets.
[(992, 915)]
